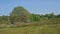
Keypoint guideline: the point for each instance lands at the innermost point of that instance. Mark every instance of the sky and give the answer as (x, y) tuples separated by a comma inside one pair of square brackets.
[(33, 6)]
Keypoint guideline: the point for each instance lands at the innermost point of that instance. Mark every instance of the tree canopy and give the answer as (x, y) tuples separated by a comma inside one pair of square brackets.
[(19, 14)]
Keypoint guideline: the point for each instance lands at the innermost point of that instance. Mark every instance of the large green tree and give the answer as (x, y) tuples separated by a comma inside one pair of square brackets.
[(19, 14)]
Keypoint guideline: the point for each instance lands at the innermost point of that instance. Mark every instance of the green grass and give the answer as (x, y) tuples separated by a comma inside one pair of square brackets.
[(44, 29)]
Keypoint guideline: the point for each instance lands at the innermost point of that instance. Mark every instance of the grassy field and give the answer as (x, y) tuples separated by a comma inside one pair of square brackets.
[(44, 29)]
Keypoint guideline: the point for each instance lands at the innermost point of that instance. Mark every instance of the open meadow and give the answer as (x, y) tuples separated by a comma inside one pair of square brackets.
[(44, 29)]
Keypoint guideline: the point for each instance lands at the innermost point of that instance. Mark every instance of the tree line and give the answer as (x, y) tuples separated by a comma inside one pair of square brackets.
[(21, 15)]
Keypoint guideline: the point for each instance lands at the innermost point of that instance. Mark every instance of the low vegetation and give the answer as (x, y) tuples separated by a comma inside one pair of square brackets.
[(44, 29)]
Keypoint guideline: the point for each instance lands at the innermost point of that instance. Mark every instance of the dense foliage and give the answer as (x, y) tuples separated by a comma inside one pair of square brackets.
[(19, 14)]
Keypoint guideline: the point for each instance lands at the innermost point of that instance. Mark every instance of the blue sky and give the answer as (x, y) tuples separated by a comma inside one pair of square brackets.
[(33, 6)]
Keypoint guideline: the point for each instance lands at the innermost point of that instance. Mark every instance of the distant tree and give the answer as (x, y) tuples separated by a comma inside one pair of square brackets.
[(50, 15), (4, 19), (35, 17), (58, 16)]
